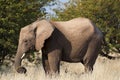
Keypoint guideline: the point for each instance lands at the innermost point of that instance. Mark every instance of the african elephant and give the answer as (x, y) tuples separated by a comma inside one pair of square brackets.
[(76, 40)]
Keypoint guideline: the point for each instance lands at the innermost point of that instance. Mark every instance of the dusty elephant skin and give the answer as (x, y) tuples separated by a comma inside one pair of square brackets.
[(76, 40)]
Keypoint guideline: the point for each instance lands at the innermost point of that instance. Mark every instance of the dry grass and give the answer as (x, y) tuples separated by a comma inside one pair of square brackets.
[(104, 69)]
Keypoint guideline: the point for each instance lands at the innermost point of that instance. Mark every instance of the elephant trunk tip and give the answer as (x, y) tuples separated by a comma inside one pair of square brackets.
[(21, 70)]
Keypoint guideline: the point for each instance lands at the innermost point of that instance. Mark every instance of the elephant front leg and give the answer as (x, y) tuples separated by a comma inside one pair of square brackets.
[(45, 63), (54, 61)]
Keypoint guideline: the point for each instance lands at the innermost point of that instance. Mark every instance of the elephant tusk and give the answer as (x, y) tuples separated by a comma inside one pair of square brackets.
[(23, 56), (40, 51)]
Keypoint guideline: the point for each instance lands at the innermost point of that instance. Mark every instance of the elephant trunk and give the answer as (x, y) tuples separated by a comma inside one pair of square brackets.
[(18, 59)]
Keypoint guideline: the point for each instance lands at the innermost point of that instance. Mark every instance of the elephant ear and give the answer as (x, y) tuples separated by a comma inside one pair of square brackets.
[(43, 32)]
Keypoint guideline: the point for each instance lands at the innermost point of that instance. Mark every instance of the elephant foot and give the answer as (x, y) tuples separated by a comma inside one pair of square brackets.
[(21, 70)]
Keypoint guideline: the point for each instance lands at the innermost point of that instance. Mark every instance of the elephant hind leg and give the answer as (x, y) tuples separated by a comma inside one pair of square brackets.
[(91, 54)]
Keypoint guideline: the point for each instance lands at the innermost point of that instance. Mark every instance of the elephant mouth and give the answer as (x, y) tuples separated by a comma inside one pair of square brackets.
[(32, 48), (28, 50)]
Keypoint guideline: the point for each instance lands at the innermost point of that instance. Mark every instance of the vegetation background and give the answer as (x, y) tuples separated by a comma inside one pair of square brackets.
[(15, 14)]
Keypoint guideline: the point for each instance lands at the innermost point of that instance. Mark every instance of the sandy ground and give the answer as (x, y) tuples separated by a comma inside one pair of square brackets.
[(104, 69)]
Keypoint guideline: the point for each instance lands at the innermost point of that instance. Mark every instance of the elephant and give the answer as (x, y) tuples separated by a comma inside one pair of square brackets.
[(73, 41)]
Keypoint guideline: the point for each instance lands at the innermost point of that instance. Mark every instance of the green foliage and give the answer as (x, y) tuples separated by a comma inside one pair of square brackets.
[(104, 13), (15, 14)]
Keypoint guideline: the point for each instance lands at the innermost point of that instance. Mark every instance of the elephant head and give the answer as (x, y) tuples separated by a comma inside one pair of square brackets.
[(32, 36)]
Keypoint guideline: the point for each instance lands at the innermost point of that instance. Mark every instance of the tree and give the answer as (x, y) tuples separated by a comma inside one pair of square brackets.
[(104, 13), (15, 14)]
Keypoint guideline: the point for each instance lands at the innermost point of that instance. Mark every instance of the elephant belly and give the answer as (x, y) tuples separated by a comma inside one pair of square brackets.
[(74, 56), (75, 53), (71, 60)]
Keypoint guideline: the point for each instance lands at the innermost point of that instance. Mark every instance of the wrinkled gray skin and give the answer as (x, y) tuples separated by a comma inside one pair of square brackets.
[(76, 40)]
